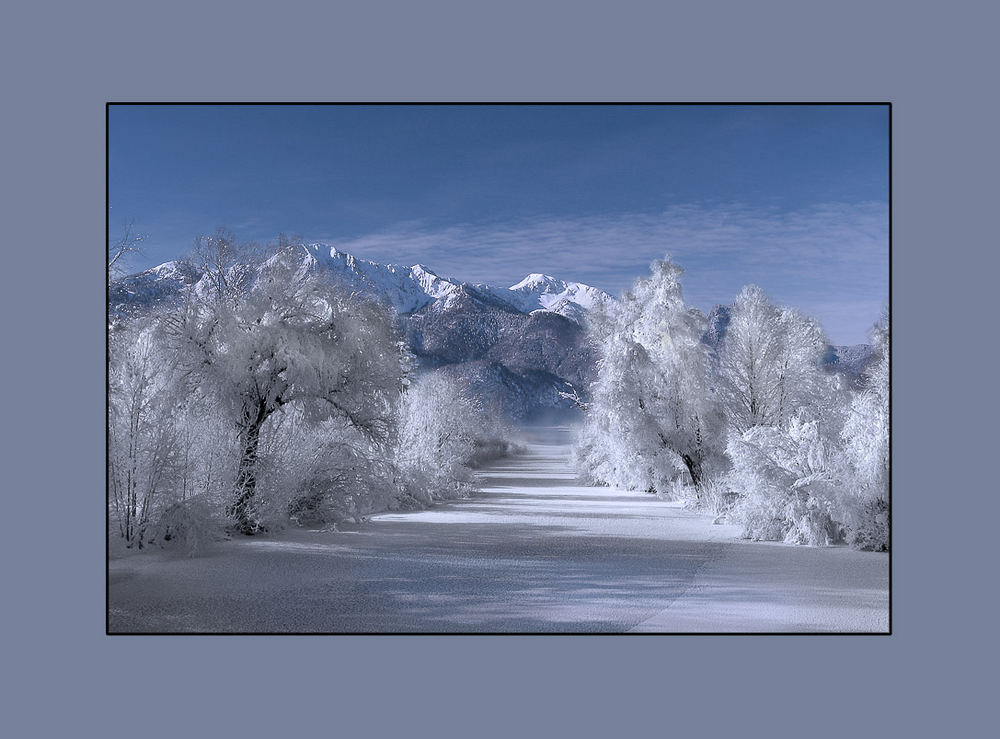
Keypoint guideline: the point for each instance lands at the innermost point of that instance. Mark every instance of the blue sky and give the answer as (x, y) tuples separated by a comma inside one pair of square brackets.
[(793, 198)]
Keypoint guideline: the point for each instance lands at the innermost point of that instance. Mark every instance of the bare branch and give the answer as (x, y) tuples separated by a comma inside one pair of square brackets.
[(128, 243)]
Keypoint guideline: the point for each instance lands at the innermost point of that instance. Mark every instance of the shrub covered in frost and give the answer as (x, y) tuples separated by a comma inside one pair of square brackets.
[(190, 526), (787, 484), (440, 432), (866, 443)]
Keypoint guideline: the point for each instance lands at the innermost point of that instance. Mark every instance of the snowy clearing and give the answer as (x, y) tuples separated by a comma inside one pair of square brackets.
[(532, 552)]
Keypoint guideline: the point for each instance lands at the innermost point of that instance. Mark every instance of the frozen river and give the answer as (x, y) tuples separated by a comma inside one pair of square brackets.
[(532, 552)]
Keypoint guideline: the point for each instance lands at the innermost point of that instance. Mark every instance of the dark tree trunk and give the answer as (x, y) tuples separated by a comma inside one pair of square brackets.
[(245, 508), (693, 468)]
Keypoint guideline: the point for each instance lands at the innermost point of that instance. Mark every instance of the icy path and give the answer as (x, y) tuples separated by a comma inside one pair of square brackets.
[(533, 552)]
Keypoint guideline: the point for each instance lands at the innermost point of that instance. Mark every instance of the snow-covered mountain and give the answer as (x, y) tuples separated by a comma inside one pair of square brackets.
[(409, 289), (542, 292), (406, 289), (159, 286)]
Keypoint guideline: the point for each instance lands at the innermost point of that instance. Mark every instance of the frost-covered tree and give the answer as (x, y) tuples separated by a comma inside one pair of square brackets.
[(143, 442), (206, 444), (189, 510), (654, 416), (770, 363), (317, 473), (866, 446), (227, 267), (784, 413), (439, 431), (169, 454), (129, 242), (280, 341), (789, 482)]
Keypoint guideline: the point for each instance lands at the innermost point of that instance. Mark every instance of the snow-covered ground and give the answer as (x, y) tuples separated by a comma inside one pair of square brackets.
[(534, 551)]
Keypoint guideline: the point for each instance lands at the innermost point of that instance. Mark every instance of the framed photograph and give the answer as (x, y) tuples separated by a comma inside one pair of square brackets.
[(444, 368)]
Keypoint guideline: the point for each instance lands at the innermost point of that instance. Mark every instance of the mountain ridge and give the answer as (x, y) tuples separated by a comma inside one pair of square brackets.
[(409, 288)]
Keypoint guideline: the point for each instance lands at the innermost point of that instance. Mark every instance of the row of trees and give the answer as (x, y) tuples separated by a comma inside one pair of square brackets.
[(756, 428), (270, 396)]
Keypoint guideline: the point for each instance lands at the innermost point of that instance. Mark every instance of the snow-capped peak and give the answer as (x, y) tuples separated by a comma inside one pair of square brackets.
[(540, 291), (537, 280), (405, 288)]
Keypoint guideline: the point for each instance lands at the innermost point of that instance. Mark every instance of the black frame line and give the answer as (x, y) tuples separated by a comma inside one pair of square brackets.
[(107, 360)]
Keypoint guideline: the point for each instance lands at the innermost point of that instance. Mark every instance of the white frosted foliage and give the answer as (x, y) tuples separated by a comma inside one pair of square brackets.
[(654, 420)]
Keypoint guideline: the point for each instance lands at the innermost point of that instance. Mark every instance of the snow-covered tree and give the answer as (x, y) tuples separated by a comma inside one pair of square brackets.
[(189, 513), (653, 416), (770, 363), (789, 481), (129, 242), (280, 341), (866, 445), (227, 267), (785, 413), (142, 437), (169, 453), (206, 447), (316, 473), (440, 428)]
